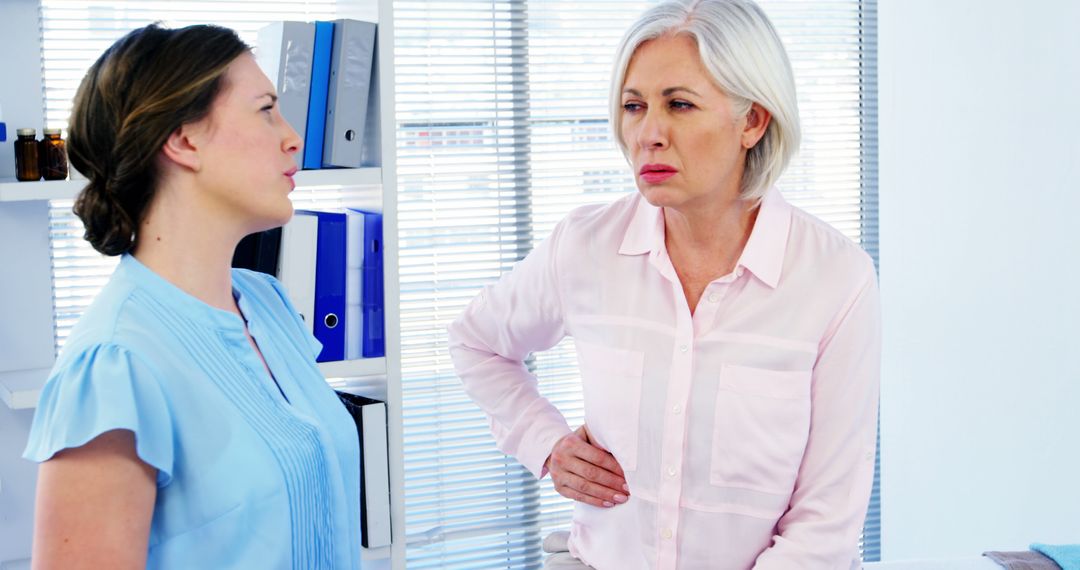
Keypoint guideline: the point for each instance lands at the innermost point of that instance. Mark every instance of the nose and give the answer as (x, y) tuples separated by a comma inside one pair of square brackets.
[(291, 143), (652, 131)]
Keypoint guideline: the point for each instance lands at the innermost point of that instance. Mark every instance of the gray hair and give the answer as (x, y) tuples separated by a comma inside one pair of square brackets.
[(742, 51)]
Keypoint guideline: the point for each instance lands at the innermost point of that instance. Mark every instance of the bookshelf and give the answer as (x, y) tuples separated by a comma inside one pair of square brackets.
[(26, 284)]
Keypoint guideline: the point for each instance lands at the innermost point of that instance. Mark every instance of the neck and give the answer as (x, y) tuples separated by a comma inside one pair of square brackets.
[(185, 243), (716, 229)]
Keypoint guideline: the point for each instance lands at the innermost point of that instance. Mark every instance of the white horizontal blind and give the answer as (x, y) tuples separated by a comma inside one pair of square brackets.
[(572, 158), (502, 122), (463, 219), (74, 34)]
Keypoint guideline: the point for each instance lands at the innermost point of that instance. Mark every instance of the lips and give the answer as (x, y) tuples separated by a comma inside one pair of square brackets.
[(657, 173), (289, 174)]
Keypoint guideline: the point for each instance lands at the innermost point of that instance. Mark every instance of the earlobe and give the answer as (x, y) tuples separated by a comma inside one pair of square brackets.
[(181, 149)]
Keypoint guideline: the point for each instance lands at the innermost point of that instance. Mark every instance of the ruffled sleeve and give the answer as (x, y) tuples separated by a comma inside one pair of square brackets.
[(101, 388)]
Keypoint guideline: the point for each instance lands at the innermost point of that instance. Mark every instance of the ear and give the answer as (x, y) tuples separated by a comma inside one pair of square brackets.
[(757, 121), (182, 147)]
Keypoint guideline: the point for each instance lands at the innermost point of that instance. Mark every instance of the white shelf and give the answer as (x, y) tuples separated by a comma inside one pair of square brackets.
[(339, 177), (353, 368), (20, 389), (380, 553), (12, 190)]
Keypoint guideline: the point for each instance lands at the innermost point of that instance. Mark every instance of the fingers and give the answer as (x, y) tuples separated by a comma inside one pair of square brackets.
[(574, 487), (598, 476), (600, 457), (581, 472)]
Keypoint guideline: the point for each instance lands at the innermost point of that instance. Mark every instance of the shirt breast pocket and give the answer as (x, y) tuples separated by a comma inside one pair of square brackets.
[(611, 385), (761, 427)]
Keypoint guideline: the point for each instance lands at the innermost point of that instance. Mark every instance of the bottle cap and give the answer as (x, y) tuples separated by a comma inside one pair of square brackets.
[(48, 132), (25, 132)]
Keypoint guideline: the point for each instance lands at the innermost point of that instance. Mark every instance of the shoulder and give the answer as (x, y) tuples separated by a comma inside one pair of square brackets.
[(596, 223), (265, 290), (270, 298), (107, 318), (260, 285), (815, 242)]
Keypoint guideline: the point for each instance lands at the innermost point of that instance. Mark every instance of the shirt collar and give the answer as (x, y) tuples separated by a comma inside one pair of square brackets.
[(764, 251)]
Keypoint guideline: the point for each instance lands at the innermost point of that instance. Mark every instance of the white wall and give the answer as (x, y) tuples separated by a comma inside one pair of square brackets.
[(20, 75), (20, 95), (980, 274)]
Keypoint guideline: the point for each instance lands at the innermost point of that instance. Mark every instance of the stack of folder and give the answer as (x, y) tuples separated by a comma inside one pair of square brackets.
[(325, 74), (331, 264)]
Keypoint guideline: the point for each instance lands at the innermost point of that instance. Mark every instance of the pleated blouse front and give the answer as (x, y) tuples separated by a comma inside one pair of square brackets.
[(250, 475)]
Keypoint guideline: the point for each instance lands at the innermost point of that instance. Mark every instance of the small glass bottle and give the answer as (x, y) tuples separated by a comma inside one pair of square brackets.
[(53, 156), (26, 156)]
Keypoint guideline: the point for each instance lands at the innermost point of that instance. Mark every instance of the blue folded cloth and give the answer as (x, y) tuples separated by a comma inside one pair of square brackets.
[(1066, 555)]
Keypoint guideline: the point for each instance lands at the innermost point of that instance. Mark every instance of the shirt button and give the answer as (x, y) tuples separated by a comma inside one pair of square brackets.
[(671, 471), (666, 534), (739, 272), (676, 409), (714, 298), (683, 348)]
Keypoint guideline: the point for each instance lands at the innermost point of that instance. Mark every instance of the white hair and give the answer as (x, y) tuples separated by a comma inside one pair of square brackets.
[(743, 53)]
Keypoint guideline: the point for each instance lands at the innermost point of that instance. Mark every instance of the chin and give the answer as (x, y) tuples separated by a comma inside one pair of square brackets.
[(659, 195), (283, 216)]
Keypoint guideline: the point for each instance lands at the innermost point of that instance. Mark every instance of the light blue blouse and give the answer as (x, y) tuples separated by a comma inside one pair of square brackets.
[(249, 476)]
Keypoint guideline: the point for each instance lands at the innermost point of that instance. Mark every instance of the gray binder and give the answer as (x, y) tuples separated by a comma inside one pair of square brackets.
[(350, 84), (284, 53)]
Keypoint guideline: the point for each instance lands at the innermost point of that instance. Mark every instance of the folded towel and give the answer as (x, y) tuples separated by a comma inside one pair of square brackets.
[(556, 542), (1066, 555), (1025, 560)]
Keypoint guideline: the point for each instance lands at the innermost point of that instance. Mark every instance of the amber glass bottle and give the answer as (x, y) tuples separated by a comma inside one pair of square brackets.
[(26, 156), (53, 156)]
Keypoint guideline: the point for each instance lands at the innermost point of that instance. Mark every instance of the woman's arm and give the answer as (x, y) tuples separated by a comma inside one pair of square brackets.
[(94, 506), (828, 506), (519, 314)]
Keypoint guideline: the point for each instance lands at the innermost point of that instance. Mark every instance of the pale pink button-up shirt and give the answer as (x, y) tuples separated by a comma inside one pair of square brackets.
[(746, 430)]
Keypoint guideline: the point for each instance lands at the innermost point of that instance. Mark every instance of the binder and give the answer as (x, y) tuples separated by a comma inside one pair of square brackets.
[(259, 252), (296, 264), (370, 418), (329, 317), (285, 54), (320, 84), (373, 341), (354, 258), (347, 99)]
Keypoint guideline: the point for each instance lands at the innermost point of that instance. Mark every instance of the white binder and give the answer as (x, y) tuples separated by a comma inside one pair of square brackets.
[(296, 264)]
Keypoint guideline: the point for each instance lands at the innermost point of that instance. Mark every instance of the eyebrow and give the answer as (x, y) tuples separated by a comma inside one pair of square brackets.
[(666, 92), (273, 98)]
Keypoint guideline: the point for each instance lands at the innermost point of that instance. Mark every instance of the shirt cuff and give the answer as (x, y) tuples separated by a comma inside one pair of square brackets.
[(536, 444)]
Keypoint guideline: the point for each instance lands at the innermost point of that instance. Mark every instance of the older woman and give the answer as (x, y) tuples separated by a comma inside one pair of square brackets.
[(728, 341)]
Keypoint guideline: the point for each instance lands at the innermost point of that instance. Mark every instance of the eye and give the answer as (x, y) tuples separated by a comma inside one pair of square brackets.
[(631, 107), (681, 105), (268, 108)]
